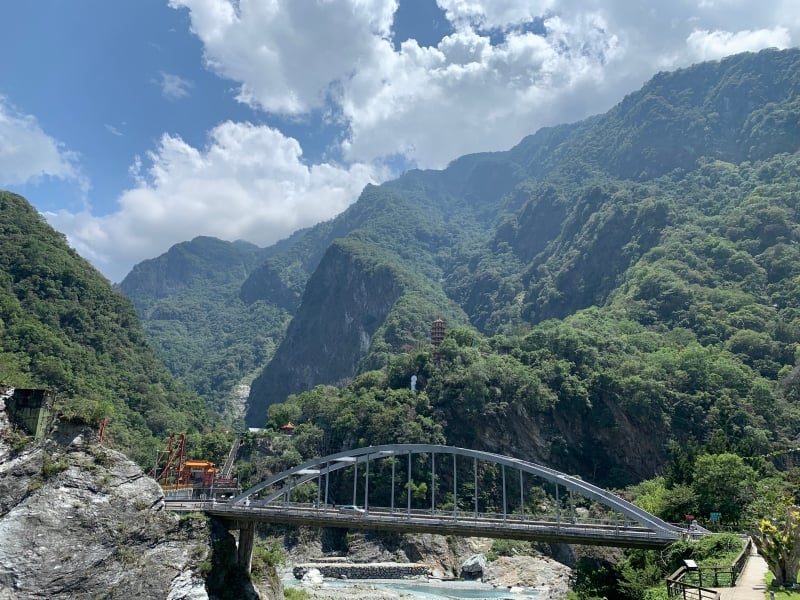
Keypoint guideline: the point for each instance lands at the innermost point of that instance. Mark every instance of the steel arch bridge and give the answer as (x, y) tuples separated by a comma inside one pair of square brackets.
[(271, 500)]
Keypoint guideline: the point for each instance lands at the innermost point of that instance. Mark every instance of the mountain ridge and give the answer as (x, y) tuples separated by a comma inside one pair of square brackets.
[(552, 226)]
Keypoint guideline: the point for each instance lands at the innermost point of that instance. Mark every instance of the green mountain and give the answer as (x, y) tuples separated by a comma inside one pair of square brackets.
[(620, 293), (63, 326), (188, 300), (547, 228)]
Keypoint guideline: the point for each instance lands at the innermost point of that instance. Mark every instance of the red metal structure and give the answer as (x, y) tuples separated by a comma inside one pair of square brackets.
[(180, 477), (174, 458), (102, 432)]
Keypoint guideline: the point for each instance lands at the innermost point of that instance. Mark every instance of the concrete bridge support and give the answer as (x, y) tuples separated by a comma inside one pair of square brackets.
[(244, 550)]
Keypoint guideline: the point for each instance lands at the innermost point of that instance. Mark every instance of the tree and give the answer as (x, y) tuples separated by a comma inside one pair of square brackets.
[(724, 483), (779, 544)]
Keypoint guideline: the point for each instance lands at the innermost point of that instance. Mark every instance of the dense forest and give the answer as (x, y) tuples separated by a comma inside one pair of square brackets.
[(620, 297), (188, 301), (497, 241), (63, 327)]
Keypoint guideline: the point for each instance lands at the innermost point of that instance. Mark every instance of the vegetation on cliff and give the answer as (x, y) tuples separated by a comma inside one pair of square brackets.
[(63, 327), (674, 207), (188, 301), (620, 292)]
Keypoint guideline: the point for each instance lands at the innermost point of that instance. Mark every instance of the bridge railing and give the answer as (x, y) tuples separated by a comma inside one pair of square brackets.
[(424, 520), (463, 515)]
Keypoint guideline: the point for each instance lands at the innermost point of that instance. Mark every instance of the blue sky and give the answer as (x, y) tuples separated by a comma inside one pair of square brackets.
[(133, 125)]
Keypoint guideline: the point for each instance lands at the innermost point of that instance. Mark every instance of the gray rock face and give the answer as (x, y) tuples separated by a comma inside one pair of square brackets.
[(80, 521), (474, 566), (549, 577)]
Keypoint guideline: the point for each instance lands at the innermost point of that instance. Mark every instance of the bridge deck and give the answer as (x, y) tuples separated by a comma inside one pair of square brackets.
[(444, 523)]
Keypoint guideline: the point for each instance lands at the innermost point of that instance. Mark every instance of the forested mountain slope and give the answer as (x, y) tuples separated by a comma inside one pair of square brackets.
[(620, 293), (554, 224), (692, 353), (63, 326), (188, 300)]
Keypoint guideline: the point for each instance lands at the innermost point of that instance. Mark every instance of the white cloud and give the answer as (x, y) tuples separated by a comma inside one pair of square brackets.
[(495, 14), (288, 55), (484, 87), (174, 87), (112, 130), (468, 95), (710, 45), (28, 153), (248, 183), (470, 92)]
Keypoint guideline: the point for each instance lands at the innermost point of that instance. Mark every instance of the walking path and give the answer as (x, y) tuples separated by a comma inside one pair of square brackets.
[(750, 585)]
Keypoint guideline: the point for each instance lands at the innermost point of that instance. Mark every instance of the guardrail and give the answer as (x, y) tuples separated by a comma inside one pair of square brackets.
[(467, 523), (676, 588), (716, 575)]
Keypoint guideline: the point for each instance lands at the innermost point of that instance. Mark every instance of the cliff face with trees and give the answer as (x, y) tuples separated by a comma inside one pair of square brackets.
[(649, 209), (622, 298)]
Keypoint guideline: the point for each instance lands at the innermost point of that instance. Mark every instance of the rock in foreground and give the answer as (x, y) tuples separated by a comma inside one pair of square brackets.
[(81, 521)]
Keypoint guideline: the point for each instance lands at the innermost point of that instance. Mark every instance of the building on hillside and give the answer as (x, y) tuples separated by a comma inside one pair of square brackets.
[(31, 409), (438, 328)]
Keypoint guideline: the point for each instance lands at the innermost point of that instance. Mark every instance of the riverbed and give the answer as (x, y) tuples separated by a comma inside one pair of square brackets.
[(409, 588)]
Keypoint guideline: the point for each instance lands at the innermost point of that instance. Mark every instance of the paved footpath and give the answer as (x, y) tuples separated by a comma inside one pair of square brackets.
[(750, 585)]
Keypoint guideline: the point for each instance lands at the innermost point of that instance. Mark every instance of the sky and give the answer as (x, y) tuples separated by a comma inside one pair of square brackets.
[(132, 125)]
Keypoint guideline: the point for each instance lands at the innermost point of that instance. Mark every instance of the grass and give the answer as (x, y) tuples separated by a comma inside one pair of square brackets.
[(292, 593), (780, 593)]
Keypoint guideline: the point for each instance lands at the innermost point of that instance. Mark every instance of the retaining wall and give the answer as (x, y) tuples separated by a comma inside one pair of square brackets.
[(362, 570)]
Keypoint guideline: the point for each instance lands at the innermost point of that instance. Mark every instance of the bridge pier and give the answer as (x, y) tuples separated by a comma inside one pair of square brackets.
[(244, 549)]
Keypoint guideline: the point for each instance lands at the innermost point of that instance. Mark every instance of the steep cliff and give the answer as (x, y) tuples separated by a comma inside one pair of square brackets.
[(555, 224), (81, 521), (64, 327), (345, 302)]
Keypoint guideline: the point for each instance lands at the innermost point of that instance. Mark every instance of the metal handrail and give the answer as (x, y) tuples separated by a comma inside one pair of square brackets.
[(677, 587)]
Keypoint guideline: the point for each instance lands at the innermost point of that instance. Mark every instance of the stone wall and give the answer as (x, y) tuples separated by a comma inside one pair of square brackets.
[(341, 570)]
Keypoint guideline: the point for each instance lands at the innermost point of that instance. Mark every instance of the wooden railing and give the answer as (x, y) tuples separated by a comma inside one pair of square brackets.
[(688, 583)]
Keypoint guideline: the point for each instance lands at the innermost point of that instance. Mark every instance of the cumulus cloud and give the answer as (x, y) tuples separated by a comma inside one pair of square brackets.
[(510, 67), (288, 55), (468, 95), (28, 153), (496, 14), (174, 87), (249, 182), (710, 45)]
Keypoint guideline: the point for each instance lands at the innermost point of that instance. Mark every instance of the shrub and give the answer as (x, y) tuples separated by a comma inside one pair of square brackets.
[(508, 548), (293, 593), (50, 467), (204, 568), (266, 559)]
